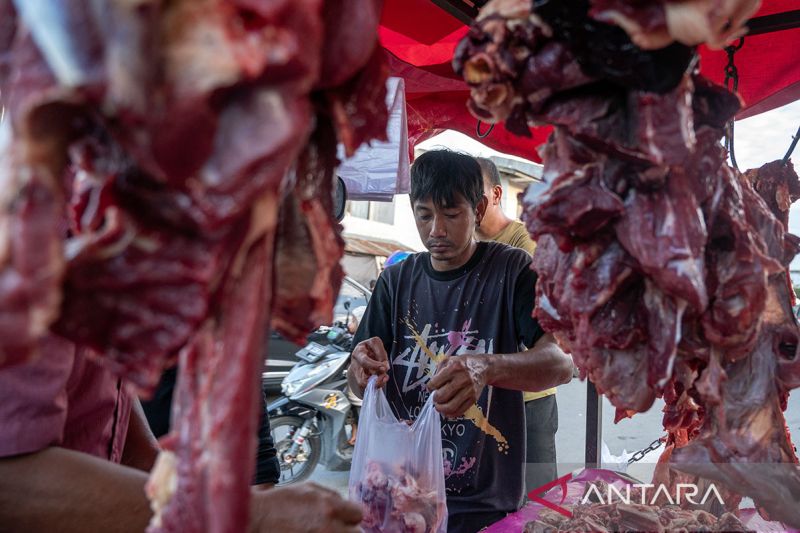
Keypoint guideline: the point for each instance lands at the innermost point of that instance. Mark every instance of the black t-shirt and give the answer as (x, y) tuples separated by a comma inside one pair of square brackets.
[(157, 410), (483, 307)]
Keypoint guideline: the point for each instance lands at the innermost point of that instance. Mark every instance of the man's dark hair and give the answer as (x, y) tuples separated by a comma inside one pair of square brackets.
[(489, 170), (441, 174)]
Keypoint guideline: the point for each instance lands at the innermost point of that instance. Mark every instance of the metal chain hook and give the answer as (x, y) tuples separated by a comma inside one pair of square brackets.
[(638, 456), (732, 84)]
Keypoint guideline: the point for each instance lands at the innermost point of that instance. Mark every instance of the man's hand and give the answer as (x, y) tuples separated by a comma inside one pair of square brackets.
[(459, 382), (305, 507), (370, 359)]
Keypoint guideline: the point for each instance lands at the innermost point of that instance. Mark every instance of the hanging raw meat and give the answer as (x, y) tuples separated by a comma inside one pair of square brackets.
[(744, 432), (660, 267), (656, 23), (174, 164)]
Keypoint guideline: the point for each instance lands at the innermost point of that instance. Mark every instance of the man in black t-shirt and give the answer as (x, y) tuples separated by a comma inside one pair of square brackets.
[(457, 320)]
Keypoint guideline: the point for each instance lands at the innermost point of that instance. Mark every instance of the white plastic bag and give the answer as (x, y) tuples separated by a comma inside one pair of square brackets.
[(397, 472), (617, 463)]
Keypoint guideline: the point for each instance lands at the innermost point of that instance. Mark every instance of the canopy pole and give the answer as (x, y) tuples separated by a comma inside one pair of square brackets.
[(594, 426), (460, 10), (788, 20), (466, 12)]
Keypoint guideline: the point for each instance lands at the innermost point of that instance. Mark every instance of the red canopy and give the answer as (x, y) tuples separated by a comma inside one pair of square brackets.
[(421, 38)]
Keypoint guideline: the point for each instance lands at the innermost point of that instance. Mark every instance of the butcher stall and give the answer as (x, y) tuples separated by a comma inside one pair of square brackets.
[(175, 165), (643, 281)]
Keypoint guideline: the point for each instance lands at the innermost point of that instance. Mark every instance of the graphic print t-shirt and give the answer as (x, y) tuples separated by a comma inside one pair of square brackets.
[(483, 307)]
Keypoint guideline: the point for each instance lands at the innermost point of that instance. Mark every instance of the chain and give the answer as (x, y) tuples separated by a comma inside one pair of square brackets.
[(731, 72), (732, 84), (638, 456)]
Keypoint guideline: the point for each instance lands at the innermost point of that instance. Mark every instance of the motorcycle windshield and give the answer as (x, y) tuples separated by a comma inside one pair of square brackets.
[(305, 377)]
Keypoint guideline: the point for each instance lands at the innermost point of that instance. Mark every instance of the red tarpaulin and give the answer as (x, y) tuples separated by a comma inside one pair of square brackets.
[(421, 38)]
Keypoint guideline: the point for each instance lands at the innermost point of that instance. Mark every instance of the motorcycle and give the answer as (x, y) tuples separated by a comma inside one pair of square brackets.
[(281, 354), (314, 420)]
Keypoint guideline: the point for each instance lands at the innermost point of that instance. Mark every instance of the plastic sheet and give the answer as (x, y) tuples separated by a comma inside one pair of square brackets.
[(381, 170)]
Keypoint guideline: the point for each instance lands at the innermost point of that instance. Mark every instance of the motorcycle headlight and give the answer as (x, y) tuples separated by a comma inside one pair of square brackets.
[(309, 376), (290, 389)]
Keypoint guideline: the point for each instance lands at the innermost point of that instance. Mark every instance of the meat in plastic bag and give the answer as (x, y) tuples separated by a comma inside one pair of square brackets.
[(397, 472)]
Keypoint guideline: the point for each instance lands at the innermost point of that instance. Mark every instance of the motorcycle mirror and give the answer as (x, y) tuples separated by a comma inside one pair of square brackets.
[(347, 304), (339, 199)]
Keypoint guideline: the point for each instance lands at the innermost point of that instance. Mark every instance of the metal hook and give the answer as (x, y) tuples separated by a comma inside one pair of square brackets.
[(738, 46), (483, 135), (729, 144), (731, 72)]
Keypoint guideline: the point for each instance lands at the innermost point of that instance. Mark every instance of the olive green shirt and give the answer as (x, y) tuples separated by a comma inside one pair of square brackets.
[(516, 235)]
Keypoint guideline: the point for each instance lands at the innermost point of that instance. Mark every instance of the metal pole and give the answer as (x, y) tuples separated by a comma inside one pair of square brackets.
[(460, 10), (594, 426), (787, 20), (467, 10)]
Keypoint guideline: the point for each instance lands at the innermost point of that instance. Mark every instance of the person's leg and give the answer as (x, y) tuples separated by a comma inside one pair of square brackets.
[(268, 466), (541, 421)]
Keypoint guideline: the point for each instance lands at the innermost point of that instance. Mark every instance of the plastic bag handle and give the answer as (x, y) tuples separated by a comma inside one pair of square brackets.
[(377, 406), (427, 411)]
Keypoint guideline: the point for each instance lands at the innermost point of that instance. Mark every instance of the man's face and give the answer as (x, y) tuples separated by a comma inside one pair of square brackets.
[(447, 231)]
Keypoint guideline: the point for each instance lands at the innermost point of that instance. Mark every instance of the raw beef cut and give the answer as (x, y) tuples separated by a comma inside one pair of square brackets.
[(346, 22), (307, 254), (607, 517), (395, 501), (744, 433), (207, 410), (174, 164), (778, 185), (30, 276), (660, 268), (656, 23)]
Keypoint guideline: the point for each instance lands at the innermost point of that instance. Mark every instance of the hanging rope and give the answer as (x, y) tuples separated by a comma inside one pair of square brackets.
[(732, 84), (483, 135), (792, 146)]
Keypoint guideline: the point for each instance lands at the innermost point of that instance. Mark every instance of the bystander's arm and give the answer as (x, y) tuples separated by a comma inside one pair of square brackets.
[(141, 446), (62, 490), (539, 368), (66, 491)]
